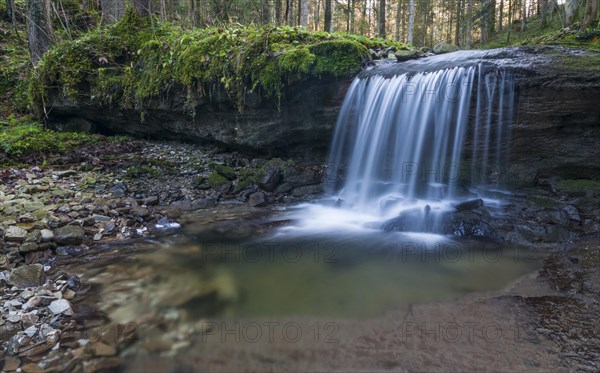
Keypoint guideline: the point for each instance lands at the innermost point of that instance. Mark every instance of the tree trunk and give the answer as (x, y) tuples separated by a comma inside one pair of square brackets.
[(469, 24), (10, 10), (381, 20), (40, 29), (142, 7), (411, 22), (266, 12), (328, 16), (501, 15), (570, 11), (278, 12), (288, 12), (524, 16), (304, 13), (363, 22), (459, 5), (398, 19), (591, 10), (317, 21), (352, 16), (191, 12), (112, 10), (543, 12)]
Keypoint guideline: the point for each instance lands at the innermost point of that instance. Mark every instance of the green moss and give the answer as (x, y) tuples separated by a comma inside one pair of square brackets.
[(22, 138), (543, 201), (139, 59), (339, 57), (215, 180), (554, 33), (579, 185), (223, 170)]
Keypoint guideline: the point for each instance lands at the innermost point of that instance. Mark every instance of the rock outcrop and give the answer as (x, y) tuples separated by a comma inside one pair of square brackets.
[(556, 125)]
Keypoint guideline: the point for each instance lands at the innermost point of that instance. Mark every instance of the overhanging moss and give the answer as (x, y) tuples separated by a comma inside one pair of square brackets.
[(137, 59)]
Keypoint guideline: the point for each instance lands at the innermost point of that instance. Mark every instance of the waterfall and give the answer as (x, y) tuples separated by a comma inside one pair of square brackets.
[(399, 144)]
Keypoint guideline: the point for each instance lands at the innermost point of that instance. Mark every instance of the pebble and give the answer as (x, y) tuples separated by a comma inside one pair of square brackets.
[(61, 306)]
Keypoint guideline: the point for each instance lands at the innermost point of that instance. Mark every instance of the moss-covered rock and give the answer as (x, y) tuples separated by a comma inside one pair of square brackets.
[(137, 59), (216, 181)]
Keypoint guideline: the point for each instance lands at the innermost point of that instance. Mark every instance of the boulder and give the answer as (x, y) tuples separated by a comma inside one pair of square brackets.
[(442, 48), (27, 276), (69, 235)]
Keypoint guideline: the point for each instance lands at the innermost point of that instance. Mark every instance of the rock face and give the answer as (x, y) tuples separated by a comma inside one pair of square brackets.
[(300, 126), (555, 130)]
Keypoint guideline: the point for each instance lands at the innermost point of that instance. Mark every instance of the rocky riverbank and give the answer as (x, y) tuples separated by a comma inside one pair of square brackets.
[(55, 216)]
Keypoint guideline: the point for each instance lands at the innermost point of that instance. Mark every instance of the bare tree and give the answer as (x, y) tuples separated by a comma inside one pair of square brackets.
[(39, 28)]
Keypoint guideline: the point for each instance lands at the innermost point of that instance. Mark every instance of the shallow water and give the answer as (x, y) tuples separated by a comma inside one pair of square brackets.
[(292, 273)]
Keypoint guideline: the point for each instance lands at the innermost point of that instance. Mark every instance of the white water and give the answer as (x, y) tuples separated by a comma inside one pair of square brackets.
[(398, 148)]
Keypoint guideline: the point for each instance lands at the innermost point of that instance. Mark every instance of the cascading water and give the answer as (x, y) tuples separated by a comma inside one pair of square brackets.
[(399, 143)]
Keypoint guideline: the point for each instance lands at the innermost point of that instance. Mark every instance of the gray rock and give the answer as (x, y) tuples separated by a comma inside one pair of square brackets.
[(63, 174), (572, 213), (46, 235), (69, 235), (28, 247), (15, 234), (257, 199), (60, 306), (99, 218), (27, 276), (272, 176)]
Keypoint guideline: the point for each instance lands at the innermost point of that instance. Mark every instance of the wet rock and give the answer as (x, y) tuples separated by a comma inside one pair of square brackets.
[(572, 213), (272, 176), (15, 234), (308, 190), (74, 282), (469, 205), (470, 223), (60, 306), (71, 250), (28, 276), (257, 199), (69, 235)]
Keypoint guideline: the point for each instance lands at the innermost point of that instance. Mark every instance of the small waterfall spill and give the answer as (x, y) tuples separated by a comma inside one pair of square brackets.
[(399, 144)]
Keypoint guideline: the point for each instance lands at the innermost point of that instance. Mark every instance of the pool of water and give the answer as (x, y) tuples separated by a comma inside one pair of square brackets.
[(327, 275)]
